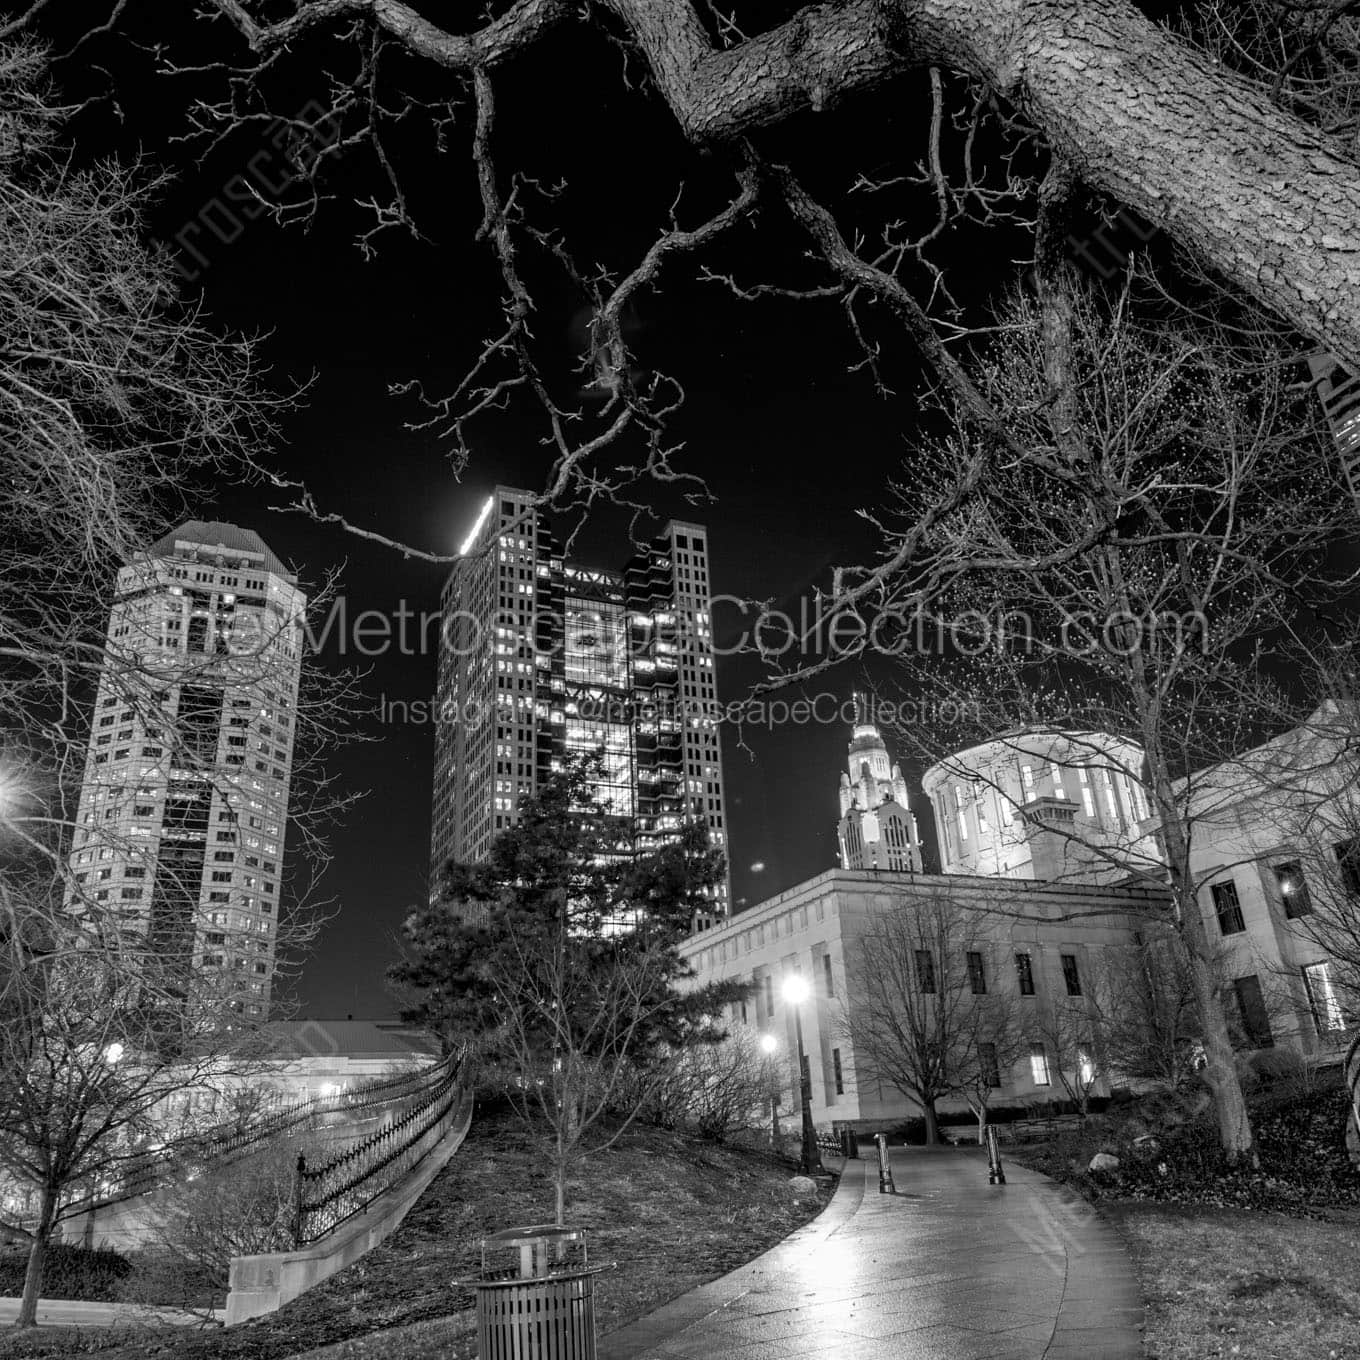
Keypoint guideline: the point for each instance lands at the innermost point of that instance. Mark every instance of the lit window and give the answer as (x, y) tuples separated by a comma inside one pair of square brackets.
[(1293, 890), (1038, 1064), (1111, 802), (1322, 998)]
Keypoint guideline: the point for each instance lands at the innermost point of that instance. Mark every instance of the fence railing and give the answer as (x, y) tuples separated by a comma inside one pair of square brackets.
[(223, 1143), (327, 1195), (391, 1090)]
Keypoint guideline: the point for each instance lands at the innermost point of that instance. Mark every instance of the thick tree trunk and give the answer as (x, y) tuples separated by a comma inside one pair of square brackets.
[(1234, 1125), (33, 1275), (1142, 116), (1263, 198), (932, 1123)]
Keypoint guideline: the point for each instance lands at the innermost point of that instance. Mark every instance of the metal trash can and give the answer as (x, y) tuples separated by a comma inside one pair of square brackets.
[(538, 1310)]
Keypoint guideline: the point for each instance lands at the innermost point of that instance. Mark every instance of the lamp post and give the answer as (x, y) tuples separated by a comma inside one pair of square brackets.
[(795, 993), (768, 1045)]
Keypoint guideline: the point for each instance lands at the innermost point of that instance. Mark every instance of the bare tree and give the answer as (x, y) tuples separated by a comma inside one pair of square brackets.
[(117, 404), (1143, 996), (1128, 100), (219, 1211), (916, 1017), (721, 1087), (1122, 577), (991, 1042), (1069, 1029), (1143, 117), (1305, 57)]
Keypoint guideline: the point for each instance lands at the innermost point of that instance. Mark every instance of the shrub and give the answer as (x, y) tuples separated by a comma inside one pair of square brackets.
[(1276, 1066), (91, 1275), (1304, 1168), (164, 1279), (236, 1209)]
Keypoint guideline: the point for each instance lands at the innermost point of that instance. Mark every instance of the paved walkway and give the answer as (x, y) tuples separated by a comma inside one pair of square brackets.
[(72, 1313), (949, 1268)]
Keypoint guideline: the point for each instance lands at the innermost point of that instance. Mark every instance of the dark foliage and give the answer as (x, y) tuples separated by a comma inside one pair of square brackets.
[(558, 868), (93, 1275), (1305, 1169)]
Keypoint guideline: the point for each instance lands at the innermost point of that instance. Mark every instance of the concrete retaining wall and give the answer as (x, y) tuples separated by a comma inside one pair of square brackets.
[(262, 1284)]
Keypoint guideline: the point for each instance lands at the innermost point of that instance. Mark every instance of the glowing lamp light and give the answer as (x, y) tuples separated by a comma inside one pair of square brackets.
[(477, 527), (768, 1043), (794, 989)]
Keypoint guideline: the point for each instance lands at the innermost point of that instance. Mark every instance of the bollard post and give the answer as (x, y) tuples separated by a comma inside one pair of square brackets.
[(885, 1176), (996, 1174)]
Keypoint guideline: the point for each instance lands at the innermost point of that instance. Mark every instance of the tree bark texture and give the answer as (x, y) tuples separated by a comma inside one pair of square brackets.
[(33, 1273), (1140, 115), (1260, 196)]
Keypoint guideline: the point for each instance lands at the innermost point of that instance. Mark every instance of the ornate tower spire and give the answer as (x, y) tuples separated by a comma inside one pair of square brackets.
[(876, 830)]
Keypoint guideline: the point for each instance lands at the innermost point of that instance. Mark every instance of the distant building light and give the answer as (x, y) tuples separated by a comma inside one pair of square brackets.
[(477, 527)]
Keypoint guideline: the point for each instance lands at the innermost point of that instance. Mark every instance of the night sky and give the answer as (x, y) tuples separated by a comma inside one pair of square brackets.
[(789, 442)]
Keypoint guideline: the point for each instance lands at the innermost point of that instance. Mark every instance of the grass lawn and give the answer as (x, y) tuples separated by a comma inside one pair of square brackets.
[(671, 1211), (1262, 1264), (1225, 1282)]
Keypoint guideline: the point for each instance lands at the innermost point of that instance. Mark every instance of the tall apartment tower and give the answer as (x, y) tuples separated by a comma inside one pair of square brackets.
[(183, 808), (541, 658)]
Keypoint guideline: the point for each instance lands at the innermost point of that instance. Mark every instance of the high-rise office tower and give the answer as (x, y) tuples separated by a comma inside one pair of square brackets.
[(183, 807), (541, 657)]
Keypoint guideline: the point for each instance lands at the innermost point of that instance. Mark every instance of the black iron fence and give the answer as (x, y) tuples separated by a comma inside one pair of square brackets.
[(222, 1143), (227, 1140), (329, 1194)]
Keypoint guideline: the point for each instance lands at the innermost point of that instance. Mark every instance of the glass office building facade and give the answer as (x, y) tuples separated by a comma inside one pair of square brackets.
[(542, 657)]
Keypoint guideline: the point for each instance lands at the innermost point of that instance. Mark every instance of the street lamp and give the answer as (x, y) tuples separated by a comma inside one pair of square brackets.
[(795, 992), (768, 1045)]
